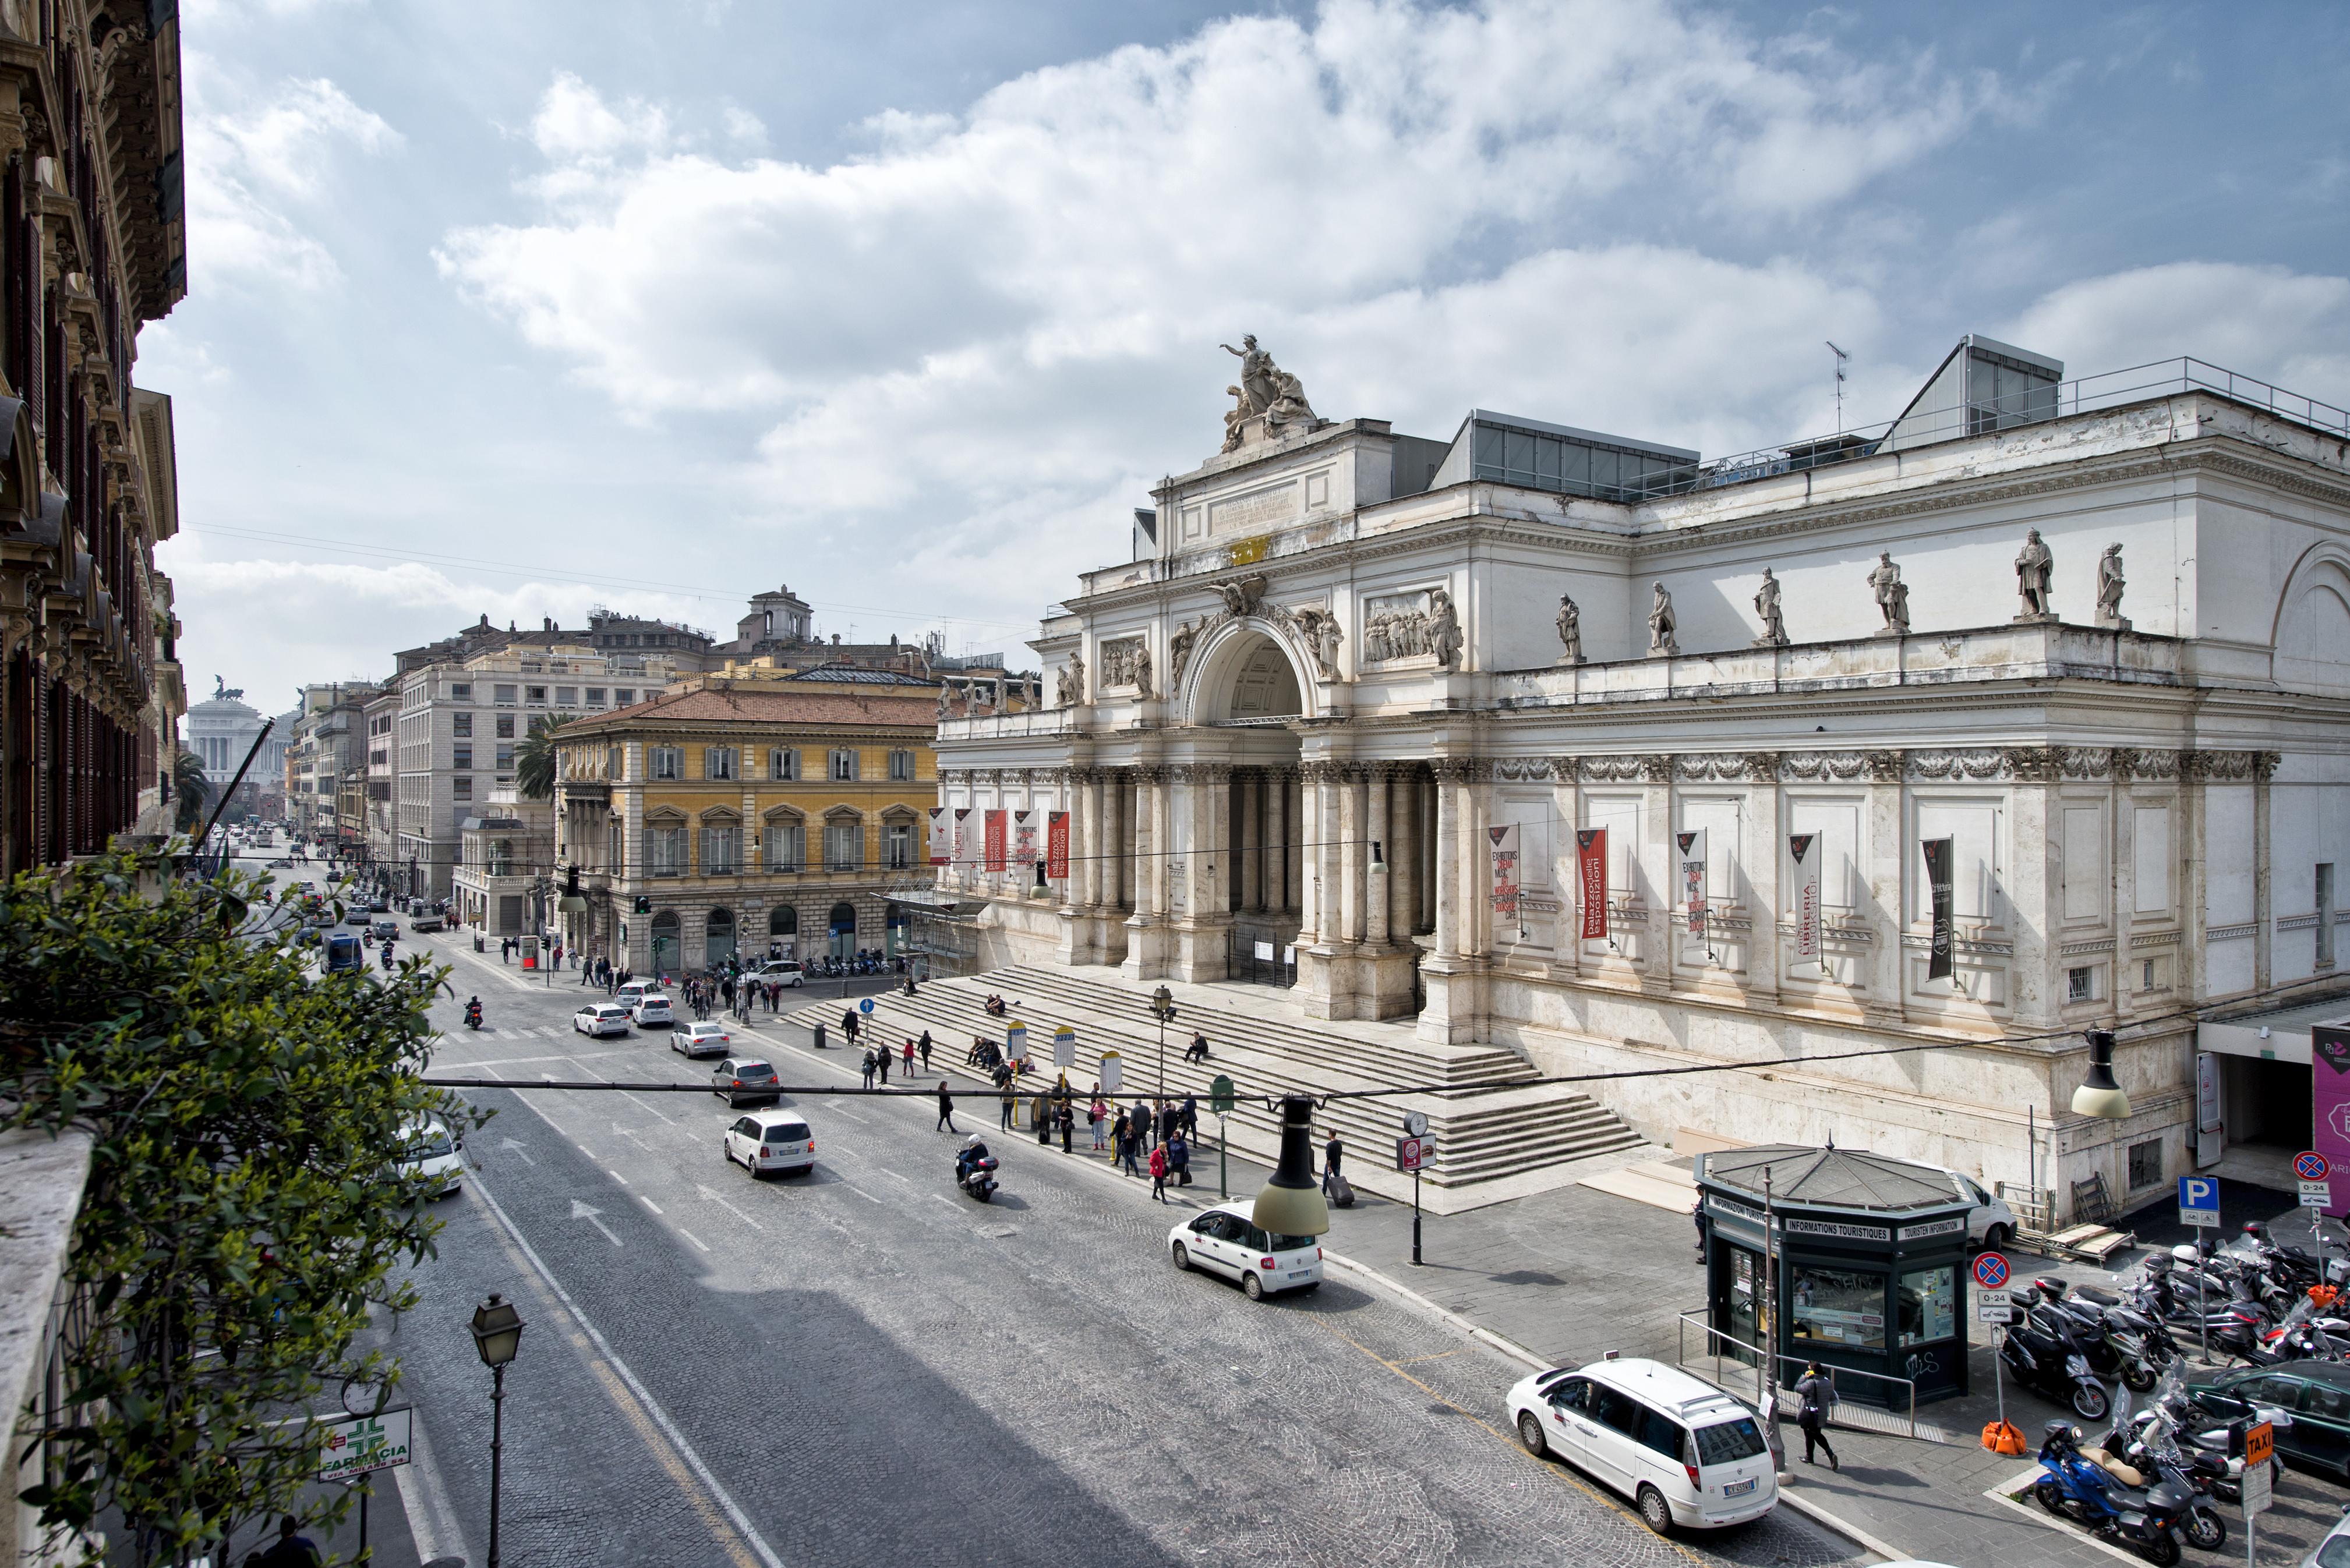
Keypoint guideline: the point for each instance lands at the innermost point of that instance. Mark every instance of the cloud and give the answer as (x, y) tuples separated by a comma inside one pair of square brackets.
[(2264, 321), (252, 163)]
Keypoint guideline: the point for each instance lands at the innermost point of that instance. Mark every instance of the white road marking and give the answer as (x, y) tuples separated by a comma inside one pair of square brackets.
[(652, 1406), (895, 1177), (860, 1192), (616, 1176), (515, 1145), (845, 1111), (626, 1095), (704, 1246), (729, 1208), (648, 1203), (581, 1212), (425, 1500), (956, 1207)]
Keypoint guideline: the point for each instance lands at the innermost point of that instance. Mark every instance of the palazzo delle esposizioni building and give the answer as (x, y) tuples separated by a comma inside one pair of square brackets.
[(1544, 738), (92, 247)]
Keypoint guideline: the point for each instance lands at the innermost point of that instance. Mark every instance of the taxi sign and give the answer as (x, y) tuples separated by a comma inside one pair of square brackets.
[(1991, 1272), (2259, 1445), (2260, 1449)]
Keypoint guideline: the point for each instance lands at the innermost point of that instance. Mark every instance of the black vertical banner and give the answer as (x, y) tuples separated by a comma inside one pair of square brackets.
[(1940, 852)]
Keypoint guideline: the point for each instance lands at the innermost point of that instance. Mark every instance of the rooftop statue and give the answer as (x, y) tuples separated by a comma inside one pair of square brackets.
[(1268, 403)]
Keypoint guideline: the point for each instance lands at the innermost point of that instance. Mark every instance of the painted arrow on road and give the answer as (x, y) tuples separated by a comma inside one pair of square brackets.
[(631, 1137), (581, 1212), (515, 1145), (729, 1208)]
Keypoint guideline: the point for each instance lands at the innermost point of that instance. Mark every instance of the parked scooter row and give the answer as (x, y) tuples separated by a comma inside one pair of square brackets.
[(2069, 1343), (2252, 1301)]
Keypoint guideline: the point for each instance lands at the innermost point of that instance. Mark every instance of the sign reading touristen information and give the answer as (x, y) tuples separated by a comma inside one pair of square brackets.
[(1940, 854), (1056, 846), (1804, 850), (998, 821), (942, 836), (1591, 880), (1503, 852)]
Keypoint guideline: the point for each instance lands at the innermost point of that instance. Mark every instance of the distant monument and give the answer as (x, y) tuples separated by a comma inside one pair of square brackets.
[(2034, 566), (1268, 404), (2110, 583), (1766, 605)]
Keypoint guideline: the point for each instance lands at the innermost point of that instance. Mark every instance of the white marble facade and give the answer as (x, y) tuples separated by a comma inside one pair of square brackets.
[(1344, 657)]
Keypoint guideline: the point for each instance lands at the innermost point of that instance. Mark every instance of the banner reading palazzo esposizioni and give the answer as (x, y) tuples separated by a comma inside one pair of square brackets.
[(1056, 846), (1591, 880)]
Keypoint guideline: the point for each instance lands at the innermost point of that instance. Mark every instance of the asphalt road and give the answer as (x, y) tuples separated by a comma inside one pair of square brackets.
[(863, 1366)]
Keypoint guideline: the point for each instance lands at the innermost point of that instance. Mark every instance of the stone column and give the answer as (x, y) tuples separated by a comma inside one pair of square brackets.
[(2034, 887), (1143, 955), (2122, 836), (1566, 868), (1313, 825), (2194, 882), (1403, 855), (1762, 852), (1354, 852), (1379, 886), (1273, 889), (1251, 845), (1117, 837), (2263, 768), (1660, 946), (1294, 841), (1889, 846), (1447, 775)]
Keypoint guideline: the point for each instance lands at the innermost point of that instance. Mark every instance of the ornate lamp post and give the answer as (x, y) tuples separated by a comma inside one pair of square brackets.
[(497, 1334), (1162, 1005)]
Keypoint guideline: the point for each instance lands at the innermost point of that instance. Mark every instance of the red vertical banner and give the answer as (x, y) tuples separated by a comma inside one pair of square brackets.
[(997, 821), (1056, 846), (1591, 877)]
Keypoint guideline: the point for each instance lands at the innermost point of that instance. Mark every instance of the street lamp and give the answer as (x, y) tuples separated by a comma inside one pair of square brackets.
[(1291, 1203), (2099, 1094), (497, 1334), (1162, 1003)]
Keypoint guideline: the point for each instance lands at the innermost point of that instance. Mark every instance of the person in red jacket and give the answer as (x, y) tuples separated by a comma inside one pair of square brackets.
[(1159, 1172)]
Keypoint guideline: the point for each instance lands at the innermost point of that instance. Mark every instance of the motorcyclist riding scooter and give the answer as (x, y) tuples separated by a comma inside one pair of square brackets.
[(976, 1169), (473, 1013)]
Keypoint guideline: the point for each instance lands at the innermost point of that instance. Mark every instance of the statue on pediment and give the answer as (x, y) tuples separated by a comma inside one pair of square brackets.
[(1570, 630), (1662, 624), (2035, 565), (1775, 620), (1892, 595), (1268, 402), (2110, 583), (1180, 644)]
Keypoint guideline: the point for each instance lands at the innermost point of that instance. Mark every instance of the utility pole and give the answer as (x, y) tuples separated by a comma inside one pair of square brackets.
[(1842, 359)]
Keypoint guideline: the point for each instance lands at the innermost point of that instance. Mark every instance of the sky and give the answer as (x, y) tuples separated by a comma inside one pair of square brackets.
[(519, 308)]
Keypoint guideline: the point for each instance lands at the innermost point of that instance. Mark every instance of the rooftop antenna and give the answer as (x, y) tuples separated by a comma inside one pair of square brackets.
[(1842, 359)]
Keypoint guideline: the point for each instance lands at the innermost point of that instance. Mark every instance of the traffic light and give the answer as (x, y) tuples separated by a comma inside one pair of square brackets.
[(644, 906)]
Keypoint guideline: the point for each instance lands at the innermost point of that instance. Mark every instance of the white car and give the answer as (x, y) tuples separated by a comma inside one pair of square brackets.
[(782, 971), (626, 995), (772, 1142), (1682, 1450), (602, 1018), (1225, 1241), (707, 1038), (432, 1155), (651, 1009), (1990, 1223)]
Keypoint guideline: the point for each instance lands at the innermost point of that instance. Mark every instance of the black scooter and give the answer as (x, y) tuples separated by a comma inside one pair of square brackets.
[(2043, 1353), (978, 1177), (473, 1018)]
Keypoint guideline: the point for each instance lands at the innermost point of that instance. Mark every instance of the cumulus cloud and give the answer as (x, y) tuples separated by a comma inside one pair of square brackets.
[(256, 162), (2263, 321)]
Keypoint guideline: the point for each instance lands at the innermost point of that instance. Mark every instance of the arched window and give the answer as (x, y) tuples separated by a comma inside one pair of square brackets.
[(718, 939), (665, 945), (844, 929)]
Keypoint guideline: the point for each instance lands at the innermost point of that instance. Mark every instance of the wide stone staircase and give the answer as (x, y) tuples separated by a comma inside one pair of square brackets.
[(1497, 1133)]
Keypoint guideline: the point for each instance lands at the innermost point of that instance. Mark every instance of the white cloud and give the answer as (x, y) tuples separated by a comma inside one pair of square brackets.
[(2269, 322), (252, 161), (575, 124)]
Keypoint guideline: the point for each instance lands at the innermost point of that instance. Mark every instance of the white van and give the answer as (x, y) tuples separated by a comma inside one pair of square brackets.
[(1681, 1449), (429, 1155)]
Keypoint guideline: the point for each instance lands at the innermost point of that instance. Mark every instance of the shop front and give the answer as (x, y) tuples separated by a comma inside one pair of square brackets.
[(1865, 1259)]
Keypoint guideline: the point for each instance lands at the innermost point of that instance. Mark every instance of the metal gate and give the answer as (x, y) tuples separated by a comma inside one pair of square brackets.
[(1259, 962)]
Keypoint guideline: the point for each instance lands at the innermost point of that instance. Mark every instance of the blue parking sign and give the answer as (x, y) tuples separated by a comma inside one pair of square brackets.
[(2198, 1201)]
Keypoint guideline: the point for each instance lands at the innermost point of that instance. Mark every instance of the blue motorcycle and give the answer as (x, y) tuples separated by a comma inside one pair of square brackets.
[(2070, 1487)]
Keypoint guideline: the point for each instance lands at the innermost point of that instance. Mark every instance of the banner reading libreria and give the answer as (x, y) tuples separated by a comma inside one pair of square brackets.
[(1503, 853), (1940, 854), (1591, 878), (1804, 849), (1056, 846), (998, 822), (1693, 847)]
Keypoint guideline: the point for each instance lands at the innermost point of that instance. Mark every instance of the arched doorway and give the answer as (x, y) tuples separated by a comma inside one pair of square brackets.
[(844, 929), (666, 953), (1245, 675), (718, 939), (783, 932)]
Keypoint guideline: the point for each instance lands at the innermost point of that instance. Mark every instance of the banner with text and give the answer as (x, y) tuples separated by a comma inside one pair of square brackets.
[(1804, 849), (1056, 846), (998, 821), (1693, 847), (1941, 854), (1591, 880), (2329, 1082), (942, 836), (1023, 839), (966, 837), (1502, 850)]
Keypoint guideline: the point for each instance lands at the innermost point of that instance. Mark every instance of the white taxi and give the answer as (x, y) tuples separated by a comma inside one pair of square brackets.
[(1225, 1241), (602, 1018), (651, 1010), (706, 1037), (1682, 1450)]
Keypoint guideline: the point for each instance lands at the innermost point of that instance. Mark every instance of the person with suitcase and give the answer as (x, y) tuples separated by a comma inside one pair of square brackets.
[(1178, 1158), (1335, 1187)]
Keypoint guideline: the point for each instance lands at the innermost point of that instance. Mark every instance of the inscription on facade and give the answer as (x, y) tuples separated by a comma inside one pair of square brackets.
[(1254, 508)]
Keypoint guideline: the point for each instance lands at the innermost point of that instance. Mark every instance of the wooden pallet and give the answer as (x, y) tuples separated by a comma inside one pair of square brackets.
[(2087, 1243)]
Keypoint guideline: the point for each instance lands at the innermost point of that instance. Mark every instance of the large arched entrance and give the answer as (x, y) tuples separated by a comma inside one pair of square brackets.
[(843, 929), (665, 943), (718, 939), (783, 932), (1245, 675)]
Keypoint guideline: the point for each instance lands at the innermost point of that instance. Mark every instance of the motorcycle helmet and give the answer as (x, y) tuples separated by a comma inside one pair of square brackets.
[(2186, 1253), (974, 1141)]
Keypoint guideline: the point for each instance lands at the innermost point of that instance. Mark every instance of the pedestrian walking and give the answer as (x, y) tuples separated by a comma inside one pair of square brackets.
[(1818, 1397), (849, 1024), (1179, 1158), (1098, 1118), (1190, 1121), (1170, 1118), (884, 1051), (910, 1061), (1007, 1106), (1158, 1174), (586, 974), (925, 1045), (1333, 1154), (1040, 1112), (869, 1066), (946, 1108), (1139, 1118), (1122, 1143)]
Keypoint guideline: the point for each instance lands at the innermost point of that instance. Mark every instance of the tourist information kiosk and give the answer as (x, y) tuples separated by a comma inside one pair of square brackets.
[(1869, 1255)]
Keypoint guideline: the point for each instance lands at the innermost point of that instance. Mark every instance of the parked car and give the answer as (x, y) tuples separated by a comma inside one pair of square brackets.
[(1990, 1223), (762, 1144), (782, 971), (745, 1081), (708, 1038), (430, 1154), (1682, 1450), (653, 1009), (428, 921), (1226, 1240), (2334, 1552), (602, 1018), (2316, 1393)]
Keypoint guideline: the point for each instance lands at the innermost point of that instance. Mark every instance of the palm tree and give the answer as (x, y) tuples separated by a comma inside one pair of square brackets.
[(194, 791), (535, 758)]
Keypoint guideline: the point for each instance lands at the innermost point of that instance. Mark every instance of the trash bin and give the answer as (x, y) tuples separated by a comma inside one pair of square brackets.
[(477, 943), (819, 1036)]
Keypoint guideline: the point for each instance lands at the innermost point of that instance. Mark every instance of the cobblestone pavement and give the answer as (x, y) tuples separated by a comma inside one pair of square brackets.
[(863, 1366)]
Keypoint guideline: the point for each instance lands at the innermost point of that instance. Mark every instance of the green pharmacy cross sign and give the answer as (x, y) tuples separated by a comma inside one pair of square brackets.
[(363, 1443)]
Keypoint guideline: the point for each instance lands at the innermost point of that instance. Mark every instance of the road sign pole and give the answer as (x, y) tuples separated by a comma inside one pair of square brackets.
[(2202, 1314), (1415, 1216), (1223, 1161)]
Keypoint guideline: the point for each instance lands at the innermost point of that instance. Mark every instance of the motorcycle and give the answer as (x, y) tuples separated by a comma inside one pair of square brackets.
[(977, 1178), (2044, 1352), (2141, 1449), (2072, 1487), (472, 1017), (2109, 1354)]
